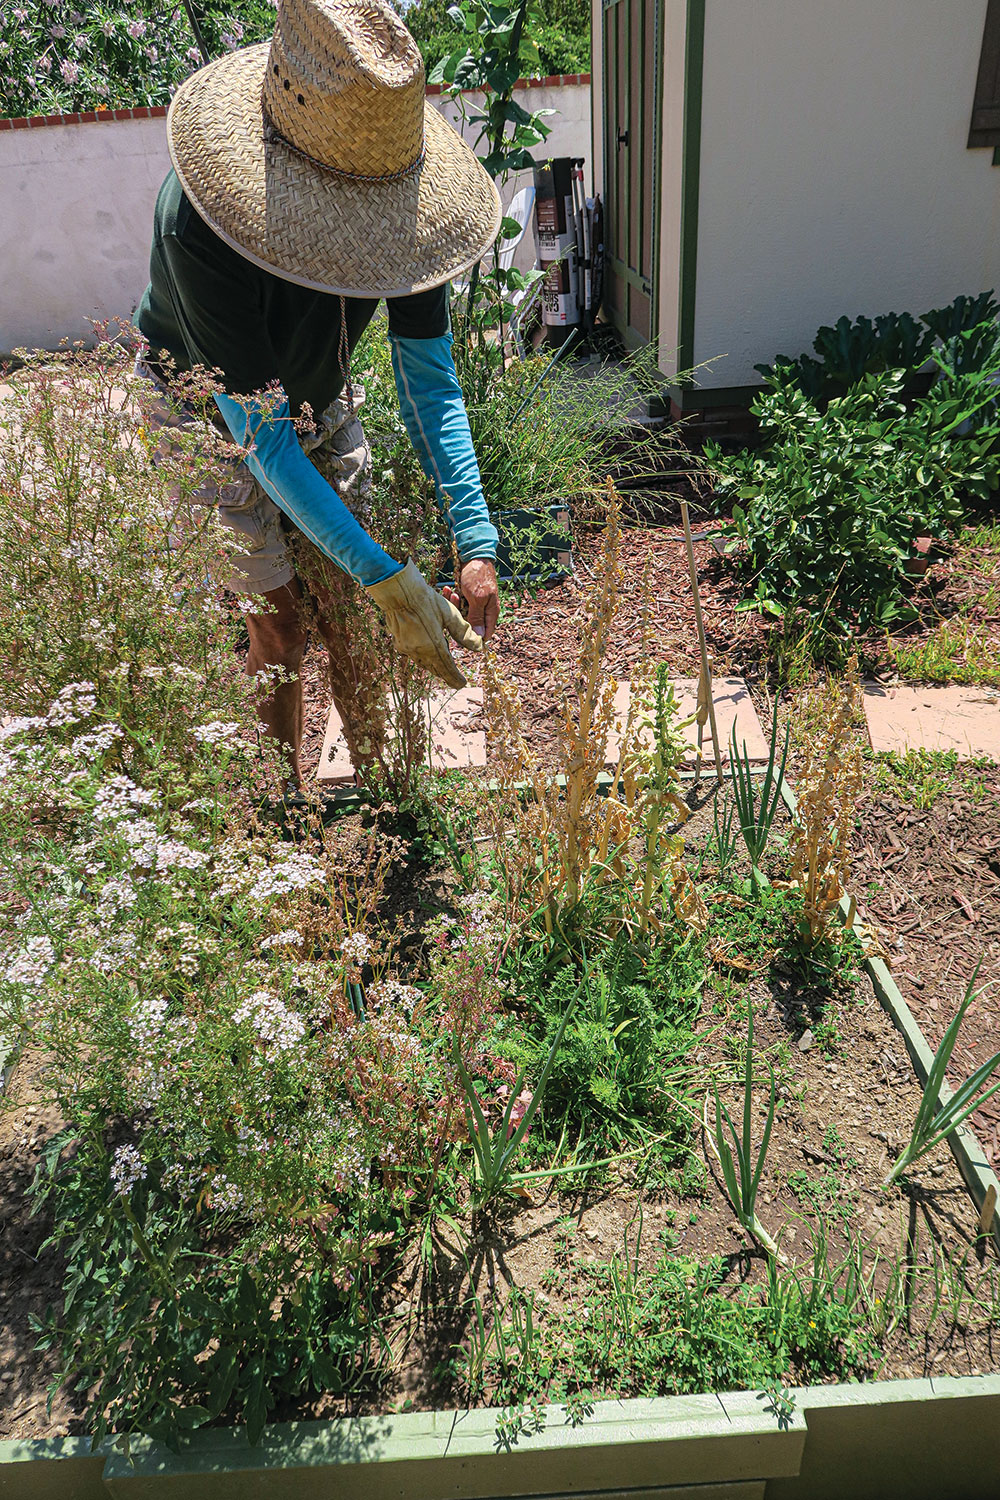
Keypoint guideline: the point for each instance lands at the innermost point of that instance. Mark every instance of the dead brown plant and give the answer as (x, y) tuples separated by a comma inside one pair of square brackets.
[(830, 784), (561, 833)]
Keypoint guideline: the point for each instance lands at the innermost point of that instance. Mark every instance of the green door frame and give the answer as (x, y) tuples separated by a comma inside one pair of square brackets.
[(648, 286)]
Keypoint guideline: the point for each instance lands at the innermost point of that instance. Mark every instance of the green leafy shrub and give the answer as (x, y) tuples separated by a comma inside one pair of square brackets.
[(849, 351), (824, 515), (562, 37), (56, 58)]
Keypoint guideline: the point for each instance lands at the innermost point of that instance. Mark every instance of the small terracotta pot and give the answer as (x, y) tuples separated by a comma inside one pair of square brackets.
[(920, 556)]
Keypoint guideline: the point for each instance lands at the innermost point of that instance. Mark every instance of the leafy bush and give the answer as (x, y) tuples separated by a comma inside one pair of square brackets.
[(562, 39), (966, 330), (824, 516), (56, 57)]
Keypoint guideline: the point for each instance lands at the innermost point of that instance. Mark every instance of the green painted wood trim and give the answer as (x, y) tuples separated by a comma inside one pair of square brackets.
[(52, 1469), (908, 1439), (898, 1440), (658, 1444), (694, 69), (977, 1174)]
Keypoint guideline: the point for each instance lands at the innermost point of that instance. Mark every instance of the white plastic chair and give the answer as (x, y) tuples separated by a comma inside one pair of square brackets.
[(521, 208)]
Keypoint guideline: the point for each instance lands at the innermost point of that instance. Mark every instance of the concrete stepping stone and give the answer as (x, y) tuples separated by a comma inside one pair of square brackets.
[(733, 705), (966, 719), (454, 743)]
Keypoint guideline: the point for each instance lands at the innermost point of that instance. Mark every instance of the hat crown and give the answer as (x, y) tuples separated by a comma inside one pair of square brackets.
[(345, 85)]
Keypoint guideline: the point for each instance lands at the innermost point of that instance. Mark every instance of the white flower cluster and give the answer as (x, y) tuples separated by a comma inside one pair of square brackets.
[(76, 701), (482, 917), (238, 872), (227, 1196), (147, 1022), (288, 937), (171, 854), (90, 746), (19, 726), (215, 732), (31, 965), (296, 872), (393, 995), (117, 952), (126, 1169), (118, 798), (274, 1023), (117, 895), (356, 949)]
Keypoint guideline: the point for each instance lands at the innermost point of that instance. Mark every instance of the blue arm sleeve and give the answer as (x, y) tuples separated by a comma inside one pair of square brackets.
[(278, 463), (430, 400)]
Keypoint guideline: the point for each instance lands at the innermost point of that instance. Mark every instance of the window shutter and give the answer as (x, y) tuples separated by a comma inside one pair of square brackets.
[(985, 128)]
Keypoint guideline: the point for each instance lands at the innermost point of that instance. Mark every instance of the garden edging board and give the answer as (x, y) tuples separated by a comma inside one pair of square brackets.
[(908, 1439)]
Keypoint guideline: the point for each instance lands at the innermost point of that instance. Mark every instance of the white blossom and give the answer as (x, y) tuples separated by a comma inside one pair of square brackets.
[(127, 1169), (31, 965), (287, 937), (274, 1023)]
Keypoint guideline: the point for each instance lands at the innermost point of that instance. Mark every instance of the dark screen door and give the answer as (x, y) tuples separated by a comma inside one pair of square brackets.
[(632, 46)]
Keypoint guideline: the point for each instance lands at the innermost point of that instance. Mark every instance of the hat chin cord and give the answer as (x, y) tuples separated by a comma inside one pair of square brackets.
[(272, 135)]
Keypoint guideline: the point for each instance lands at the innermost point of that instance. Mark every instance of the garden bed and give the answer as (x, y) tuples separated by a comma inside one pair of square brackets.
[(846, 1098), (426, 1109)]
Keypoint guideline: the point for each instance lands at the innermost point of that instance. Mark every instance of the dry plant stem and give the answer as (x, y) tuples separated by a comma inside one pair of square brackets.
[(702, 645), (830, 785)]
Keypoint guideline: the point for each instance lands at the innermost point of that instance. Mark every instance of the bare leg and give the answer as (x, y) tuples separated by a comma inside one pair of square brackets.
[(277, 639), (355, 678)]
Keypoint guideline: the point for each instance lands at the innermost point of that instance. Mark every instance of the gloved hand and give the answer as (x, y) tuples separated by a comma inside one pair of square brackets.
[(417, 617)]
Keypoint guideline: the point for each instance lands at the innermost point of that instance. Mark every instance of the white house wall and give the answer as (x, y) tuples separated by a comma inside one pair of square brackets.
[(835, 176)]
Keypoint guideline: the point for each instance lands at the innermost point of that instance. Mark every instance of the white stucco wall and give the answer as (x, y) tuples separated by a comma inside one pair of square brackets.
[(835, 176), (76, 209)]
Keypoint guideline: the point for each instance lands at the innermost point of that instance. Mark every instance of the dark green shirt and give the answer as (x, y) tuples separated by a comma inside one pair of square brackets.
[(208, 305)]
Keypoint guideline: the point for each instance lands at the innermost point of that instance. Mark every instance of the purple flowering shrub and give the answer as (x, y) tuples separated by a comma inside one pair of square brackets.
[(56, 57)]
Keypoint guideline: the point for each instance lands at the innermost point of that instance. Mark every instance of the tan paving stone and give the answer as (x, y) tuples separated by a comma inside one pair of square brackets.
[(454, 743), (966, 719), (733, 705)]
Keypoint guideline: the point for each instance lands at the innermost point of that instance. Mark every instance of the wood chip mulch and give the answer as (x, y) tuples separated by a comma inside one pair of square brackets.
[(935, 900)]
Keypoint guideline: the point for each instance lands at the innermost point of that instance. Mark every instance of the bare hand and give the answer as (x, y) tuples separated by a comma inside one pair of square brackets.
[(478, 585)]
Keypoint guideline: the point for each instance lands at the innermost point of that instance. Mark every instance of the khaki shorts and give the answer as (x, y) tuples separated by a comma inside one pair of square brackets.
[(264, 539)]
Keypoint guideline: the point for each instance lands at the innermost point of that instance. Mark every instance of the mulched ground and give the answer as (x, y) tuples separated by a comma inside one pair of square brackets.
[(934, 897)]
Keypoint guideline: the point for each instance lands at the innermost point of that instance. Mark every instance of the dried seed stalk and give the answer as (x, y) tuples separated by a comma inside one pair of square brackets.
[(830, 786), (571, 837)]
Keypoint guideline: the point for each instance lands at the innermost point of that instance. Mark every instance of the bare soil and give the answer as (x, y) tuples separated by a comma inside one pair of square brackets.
[(934, 896)]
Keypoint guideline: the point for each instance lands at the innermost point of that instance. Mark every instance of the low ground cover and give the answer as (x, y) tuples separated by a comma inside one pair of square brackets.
[(322, 1116)]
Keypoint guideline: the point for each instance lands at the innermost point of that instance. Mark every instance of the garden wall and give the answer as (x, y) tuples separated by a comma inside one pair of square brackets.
[(76, 206)]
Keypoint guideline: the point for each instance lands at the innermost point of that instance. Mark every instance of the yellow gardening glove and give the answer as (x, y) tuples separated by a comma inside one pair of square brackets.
[(417, 617)]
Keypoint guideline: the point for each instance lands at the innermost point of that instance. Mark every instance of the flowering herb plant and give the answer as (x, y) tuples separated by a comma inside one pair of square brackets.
[(56, 57)]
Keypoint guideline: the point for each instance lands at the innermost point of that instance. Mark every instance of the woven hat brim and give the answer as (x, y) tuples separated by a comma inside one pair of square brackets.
[(311, 226)]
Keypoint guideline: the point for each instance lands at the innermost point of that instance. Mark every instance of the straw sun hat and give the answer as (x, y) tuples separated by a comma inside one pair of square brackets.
[(318, 157)]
